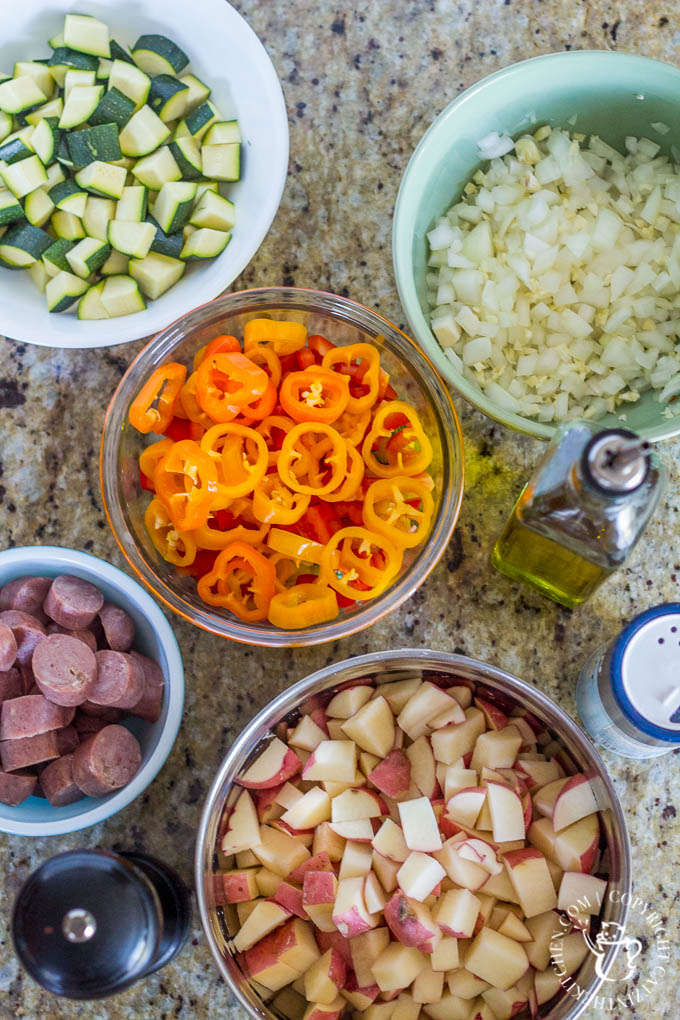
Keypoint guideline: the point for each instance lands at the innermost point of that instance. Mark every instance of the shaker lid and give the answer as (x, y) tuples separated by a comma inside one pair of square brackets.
[(86, 924), (616, 461), (645, 671)]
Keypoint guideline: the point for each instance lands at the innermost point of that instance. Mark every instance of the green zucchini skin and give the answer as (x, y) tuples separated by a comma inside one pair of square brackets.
[(166, 244), (94, 143), (114, 108), (163, 47)]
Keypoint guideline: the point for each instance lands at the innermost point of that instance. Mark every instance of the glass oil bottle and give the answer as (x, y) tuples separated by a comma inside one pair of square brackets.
[(581, 513)]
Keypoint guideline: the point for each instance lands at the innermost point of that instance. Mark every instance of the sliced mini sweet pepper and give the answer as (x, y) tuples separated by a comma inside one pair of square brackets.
[(285, 336), (350, 485), (223, 344), (363, 362), (266, 358), (352, 427), (240, 457), (295, 547), (314, 395), (334, 461), (150, 456), (275, 503), (273, 430), (400, 508), (228, 381), (175, 546), (408, 455), (242, 581), (186, 481), (189, 404), (162, 390), (209, 537), (303, 605), (346, 563)]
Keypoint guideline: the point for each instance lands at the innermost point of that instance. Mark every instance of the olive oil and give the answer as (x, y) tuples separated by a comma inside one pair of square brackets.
[(581, 513)]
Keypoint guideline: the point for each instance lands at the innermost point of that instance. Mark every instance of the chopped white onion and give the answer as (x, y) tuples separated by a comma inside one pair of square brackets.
[(555, 279)]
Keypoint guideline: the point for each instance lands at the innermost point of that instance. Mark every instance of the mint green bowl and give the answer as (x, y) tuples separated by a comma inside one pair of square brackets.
[(611, 94)]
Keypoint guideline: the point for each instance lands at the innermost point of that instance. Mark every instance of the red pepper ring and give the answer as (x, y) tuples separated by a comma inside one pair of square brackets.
[(186, 481), (228, 381), (162, 388)]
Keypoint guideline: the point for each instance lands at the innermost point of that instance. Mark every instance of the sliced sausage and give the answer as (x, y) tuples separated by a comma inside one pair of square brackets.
[(106, 761), (18, 754), (65, 669), (15, 787), (8, 647), (11, 685), (119, 628), (72, 602), (31, 714), (58, 784), (120, 680), (28, 632), (67, 739), (26, 594), (149, 705), (105, 712), (83, 635), (88, 724)]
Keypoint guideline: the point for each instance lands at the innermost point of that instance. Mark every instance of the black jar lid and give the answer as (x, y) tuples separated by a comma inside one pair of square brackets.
[(87, 924)]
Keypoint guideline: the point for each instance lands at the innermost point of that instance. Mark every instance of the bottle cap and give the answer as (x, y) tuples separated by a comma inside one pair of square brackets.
[(87, 924), (645, 672), (616, 461)]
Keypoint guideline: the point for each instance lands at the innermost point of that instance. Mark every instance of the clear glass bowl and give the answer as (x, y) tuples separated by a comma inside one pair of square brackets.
[(343, 322), (220, 923)]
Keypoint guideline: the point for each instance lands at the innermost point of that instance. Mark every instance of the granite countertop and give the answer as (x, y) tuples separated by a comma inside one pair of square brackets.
[(360, 89)]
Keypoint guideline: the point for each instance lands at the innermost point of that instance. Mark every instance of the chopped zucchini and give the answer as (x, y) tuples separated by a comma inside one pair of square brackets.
[(57, 41), (102, 179), (121, 296), (38, 72), (213, 211), (132, 204), (54, 258), (14, 149), (63, 155), (54, 175), (25, 176), (19, 94), (68, 196), (205, 244), (94, 143), (200, 119), (156, 273), (114, 108), (166, 244), (38, 274), (90, 305), (143, 133), (87, 35), (173, 205), (115, 265), (157, 169), (45, 139), (168, 97), (156, 54), (198, 91), (11, 210), (98, 214), (222, 162), (74, 76), (132, 239), (54, 108), (132, 82), (63, 289), (188, 157), (68, 226), (38, 207), (118, 52), (63, 58), (203, 186), (87, 256), (23, 244), (80, 104), (5, 125), (104, 69), (222, 132)]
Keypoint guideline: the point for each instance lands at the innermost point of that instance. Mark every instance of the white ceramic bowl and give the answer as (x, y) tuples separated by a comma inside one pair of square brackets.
[(153, 637), (225, 52)]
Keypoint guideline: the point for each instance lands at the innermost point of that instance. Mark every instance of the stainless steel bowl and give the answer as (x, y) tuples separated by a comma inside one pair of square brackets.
[(383, 667)]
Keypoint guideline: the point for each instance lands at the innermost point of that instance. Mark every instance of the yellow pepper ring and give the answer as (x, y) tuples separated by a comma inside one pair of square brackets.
[(151, 455), (177, 547), (285, 336), (336, 572), (355, 475), (210, 538), (213, 443), (303, 605), (275, 503), (291, 452), (296, 547), (386, 510), (413, 431)]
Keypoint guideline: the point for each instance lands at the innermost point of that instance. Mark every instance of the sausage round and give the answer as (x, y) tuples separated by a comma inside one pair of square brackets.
[(88, 724), (29, 715), (72, 602), (58, 784), (11, 685), (26, 594), (119, 628), (67, 739), (18, 754), (106, 761), (83, 635), (8, 647), (120, 680), (150, 704), (15, 787), (104, 712), (28, 632), (65, 669)]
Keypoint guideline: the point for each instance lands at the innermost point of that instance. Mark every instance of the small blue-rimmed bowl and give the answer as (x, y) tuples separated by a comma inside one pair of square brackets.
[(153, 637)]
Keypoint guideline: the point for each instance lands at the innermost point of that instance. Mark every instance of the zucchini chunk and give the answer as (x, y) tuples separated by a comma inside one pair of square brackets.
[(188, 157), (67, 226), (80, 104), (54, 108), (156, 273), (168, 97), (156, 54), (205, 243), (222, 132), (87, 35), (38, 207), (94, 143), (121, 296), (11, 210), (157, 169), (91, 306), (63, 289), (173, 205), (166, 244), (102, 179), (45, 140), (54, 258), (87, 256), (98, 214), (132, 239), (132, 204), (143, 133), (25, 176), (23, 245), (114, 108), (19, 94), (222, 162), (115, 265), (131, 81), (213, 211)]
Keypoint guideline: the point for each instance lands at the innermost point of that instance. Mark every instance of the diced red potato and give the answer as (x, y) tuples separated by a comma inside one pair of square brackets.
[(72, 602), (106, 761), (58, 784), (119, 681), (324, 979), (119, 627), (16, 787), (238, 885), (272, 767)]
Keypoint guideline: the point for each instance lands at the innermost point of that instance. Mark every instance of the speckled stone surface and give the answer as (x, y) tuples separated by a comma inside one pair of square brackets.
[(360, 91)]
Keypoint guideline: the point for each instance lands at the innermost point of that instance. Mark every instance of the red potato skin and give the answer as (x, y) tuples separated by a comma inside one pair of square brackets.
[(392, 776), (495, 718), (290, 766), (235, 887), (318, 716), (398, 914), (337, 969), (334, 940), (264, 802), (318, 887), (318, 862), (324, 1013), (290, 898), (370, 992), (270, 948), (278, 823)]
